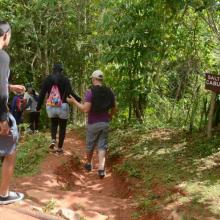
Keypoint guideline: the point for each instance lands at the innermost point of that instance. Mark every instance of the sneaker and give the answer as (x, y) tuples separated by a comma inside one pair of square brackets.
[(88, 167), (59, 150), (52, 145), (101, 173), (11, 198)]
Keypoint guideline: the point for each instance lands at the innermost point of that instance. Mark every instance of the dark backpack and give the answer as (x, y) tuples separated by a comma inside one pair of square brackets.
[(19, 104), (102, 99)]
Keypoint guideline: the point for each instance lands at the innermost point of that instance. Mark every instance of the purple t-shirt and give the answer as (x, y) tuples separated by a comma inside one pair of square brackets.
[(92, 116)]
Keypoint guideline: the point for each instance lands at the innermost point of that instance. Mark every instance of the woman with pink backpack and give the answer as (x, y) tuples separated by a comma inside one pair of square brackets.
[(57, 88)]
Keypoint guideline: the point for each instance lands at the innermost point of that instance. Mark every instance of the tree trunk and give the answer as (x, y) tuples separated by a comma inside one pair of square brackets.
[(137, 110), (130, 96), (194, 109), (203, 117), (210, 116), (177, 95), (129, 112)]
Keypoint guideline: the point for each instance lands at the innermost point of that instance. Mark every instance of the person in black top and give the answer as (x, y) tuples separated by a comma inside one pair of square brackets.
[(57, 87)]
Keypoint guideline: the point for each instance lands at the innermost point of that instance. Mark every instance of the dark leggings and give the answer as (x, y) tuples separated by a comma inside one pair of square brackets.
[(34, 120), (55, 122)]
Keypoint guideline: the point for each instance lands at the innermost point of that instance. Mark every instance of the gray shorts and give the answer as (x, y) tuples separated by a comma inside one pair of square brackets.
[(58, 112), (8, 142), (97, 133)]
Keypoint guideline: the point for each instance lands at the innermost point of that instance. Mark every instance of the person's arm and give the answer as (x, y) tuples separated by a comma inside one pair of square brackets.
[(84, 107), (4, 68), (3, 106), (113, 111), (16, 88), (71, 92)]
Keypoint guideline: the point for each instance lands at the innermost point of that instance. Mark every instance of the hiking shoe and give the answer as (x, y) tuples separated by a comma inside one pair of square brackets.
[(88, 167), (11, 198), (101, 173), (52, 145)]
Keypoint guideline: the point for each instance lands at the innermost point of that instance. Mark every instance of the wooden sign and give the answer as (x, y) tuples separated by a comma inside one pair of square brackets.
[(212, 82)]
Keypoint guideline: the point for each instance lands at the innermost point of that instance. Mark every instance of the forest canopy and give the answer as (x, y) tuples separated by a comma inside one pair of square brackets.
[(154, 53)]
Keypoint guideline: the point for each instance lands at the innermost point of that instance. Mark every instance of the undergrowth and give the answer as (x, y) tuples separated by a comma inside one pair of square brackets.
[(172, 166), (30, 153)]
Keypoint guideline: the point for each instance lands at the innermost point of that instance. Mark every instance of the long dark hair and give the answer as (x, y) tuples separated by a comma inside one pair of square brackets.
[(57, 71), (57, 68), (35, 96)]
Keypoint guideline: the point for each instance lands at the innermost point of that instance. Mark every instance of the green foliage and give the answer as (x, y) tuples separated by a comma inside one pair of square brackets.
[(30, 154), (50, 206), (44, 120), (45, 32), (154, 53), (148, 205), (130, 168)]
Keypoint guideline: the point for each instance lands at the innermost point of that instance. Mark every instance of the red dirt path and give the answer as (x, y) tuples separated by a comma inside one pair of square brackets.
[(63, 179)]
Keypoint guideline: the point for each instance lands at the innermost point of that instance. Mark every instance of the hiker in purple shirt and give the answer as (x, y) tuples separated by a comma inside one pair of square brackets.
[(99, 103)]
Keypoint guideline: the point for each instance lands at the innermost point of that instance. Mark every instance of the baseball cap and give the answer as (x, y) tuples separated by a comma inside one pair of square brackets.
[(98, 74), (4, 28)]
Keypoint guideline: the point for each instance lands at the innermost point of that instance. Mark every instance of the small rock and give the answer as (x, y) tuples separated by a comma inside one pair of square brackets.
[(68, 214)]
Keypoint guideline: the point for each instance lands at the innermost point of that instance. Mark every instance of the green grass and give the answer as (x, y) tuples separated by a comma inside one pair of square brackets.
[(30, 154), (49, 206), (172, 160)]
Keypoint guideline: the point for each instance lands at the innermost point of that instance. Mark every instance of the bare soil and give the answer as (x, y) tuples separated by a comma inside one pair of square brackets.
[(64, 183)]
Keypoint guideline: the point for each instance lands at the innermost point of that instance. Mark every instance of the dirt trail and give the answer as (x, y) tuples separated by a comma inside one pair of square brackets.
[(63, 179)]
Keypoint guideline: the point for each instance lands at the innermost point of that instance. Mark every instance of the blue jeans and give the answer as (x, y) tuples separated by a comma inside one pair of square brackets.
[(58, 112), (8, 142), (97, 133)]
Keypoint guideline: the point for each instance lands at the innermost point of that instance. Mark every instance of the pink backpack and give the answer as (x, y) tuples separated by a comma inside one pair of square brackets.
[(54, 98)]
